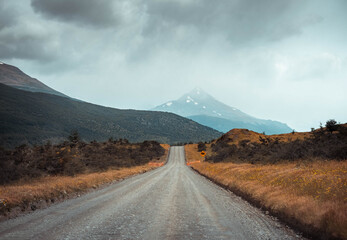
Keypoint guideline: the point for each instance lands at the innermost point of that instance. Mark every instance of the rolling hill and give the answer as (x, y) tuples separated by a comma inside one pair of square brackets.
[(34, 118), (204, 109), (14, 77)]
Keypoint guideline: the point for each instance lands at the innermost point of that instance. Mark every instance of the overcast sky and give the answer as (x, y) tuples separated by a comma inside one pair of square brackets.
[(283, 60)]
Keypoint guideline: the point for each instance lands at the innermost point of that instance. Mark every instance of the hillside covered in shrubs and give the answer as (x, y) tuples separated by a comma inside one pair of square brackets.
[(74, 157), (34, 118), (242, 145)]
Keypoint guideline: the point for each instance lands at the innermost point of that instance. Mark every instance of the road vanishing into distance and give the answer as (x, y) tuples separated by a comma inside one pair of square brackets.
[(171, 202)]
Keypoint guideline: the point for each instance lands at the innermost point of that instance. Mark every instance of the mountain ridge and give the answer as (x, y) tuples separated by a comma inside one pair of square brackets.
[(205, 109), (34, 118), (14, 77)]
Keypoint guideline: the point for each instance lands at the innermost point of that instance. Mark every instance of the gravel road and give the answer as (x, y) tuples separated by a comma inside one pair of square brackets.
[(171, 202)]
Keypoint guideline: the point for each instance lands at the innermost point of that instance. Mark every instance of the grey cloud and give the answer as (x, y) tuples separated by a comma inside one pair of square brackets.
[(321, 67), (24, 46), (23, 39), (243, 51), (7, 16), (98, 13), (239, 21), (179, 24)]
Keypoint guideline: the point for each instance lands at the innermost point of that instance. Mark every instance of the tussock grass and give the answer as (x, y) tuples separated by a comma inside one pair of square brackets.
[(299, 177), (309, 195), (192, 153), (24, 193), (236, 136), (50, 188), (45, 187)]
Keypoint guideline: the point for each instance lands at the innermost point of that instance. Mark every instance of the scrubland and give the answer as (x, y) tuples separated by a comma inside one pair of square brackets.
[(192, 154), (307, 189), (71, 158), (49, 179), (52, 188)]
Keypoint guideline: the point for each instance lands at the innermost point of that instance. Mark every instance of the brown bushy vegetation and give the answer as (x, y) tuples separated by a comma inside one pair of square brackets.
[(298, 177), (201, 146), (43, 191), (74, 157), (324, 143), (309, 196)]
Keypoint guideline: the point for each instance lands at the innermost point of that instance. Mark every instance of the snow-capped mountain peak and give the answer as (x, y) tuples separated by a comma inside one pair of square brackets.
[(198, 102), (205, 109)]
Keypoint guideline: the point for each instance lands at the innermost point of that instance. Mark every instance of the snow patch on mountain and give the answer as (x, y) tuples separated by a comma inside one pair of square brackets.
[(190, 99), (219, 114), (205, 109)]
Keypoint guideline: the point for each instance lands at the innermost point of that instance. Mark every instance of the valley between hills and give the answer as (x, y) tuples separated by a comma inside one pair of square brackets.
[(100, 172)]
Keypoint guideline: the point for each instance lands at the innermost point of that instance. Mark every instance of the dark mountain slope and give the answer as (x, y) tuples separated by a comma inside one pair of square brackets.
[(14, 77), (34, 118)]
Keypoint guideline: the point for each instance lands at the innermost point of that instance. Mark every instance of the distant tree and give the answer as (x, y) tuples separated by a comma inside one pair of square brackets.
[(331, 125), (293, 131), (321, 126), (74, 137)]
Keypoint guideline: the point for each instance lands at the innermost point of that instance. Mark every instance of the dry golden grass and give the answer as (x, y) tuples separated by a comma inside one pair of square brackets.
[(23, 193), (235, 136), (312, 194), (165, 146), (48, 188), (192, 154)]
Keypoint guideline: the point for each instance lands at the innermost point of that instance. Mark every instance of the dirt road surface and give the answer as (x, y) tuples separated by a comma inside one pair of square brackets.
[(171, 202)]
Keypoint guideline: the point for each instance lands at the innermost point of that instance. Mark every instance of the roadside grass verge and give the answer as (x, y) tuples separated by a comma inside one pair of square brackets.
[(192, 153), (310, 196), (23, 195), (50, 189)]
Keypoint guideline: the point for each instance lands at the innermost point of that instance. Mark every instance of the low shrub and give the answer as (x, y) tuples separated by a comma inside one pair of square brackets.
[(323, 143), (74, 157)]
